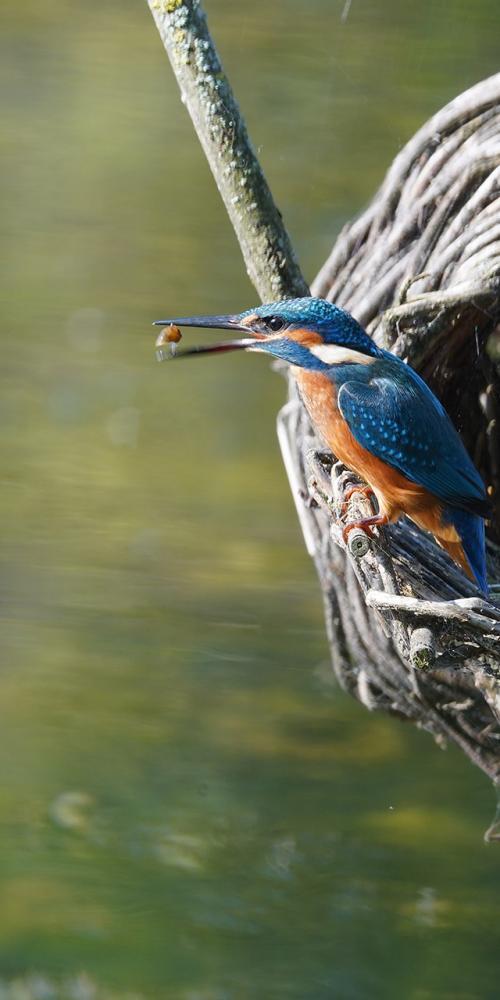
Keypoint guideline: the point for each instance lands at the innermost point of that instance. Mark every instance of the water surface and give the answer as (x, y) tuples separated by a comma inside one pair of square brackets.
[(189, 808)]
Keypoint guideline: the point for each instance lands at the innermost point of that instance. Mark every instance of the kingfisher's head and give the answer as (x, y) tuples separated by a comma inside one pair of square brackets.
[(309, 333)]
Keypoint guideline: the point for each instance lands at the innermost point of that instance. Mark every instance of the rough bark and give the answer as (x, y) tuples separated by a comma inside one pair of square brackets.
[(420, 269), (206, 92)]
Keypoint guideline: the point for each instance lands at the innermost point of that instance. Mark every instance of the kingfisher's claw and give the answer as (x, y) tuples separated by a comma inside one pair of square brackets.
[(365, 491), (364, 524)]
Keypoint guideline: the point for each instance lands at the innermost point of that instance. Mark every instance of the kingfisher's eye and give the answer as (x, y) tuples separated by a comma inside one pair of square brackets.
[(275, 323)]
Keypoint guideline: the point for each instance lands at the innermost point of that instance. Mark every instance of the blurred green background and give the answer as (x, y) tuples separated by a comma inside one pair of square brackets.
[(189, 808)]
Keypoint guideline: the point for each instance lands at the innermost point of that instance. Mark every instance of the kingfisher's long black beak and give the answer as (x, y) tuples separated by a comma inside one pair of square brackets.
[(208, 323), (204, 322)]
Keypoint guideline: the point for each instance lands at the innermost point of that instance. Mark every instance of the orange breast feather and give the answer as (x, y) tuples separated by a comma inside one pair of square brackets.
[(396, 495)]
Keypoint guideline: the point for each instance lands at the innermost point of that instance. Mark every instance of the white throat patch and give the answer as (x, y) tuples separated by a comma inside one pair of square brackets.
[(334, 354)]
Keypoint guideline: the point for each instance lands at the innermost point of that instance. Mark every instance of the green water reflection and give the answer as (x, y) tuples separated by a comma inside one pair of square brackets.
[(189, 808)]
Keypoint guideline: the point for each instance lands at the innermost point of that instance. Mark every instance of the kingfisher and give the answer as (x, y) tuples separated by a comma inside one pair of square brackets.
[(377, 416)]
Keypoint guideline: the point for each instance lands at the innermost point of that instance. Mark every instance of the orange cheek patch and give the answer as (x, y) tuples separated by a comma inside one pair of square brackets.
[(308, 338)]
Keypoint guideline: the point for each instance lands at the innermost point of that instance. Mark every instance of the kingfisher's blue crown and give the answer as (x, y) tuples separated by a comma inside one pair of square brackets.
[(333, 324)]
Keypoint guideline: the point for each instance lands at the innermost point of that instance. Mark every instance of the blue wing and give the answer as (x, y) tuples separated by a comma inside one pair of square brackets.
[(394, 415), (470, 527)]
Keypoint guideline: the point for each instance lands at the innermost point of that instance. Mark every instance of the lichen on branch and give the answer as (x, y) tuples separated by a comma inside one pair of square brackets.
[(206, 92)]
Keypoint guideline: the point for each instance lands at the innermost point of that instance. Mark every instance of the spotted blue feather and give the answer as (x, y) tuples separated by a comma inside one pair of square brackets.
[(393, 413)]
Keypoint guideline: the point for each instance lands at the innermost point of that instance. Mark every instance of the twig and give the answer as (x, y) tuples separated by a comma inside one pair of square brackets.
[(206, 92), (450, 610)]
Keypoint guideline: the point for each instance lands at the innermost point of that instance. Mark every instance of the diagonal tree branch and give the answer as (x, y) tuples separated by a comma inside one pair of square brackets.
[(206, 92)]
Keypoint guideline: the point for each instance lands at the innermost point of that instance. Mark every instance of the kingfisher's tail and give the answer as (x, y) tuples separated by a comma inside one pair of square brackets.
[(470, 528)]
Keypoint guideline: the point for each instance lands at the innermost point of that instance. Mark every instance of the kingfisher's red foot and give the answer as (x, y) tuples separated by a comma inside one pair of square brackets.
[(365, 524), (365, 491)]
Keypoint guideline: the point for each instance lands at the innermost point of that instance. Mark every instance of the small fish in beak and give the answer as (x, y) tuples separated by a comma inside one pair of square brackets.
[(171, 335)]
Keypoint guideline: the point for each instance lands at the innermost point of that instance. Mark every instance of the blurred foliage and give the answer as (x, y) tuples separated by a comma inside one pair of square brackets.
[(189, 809)]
